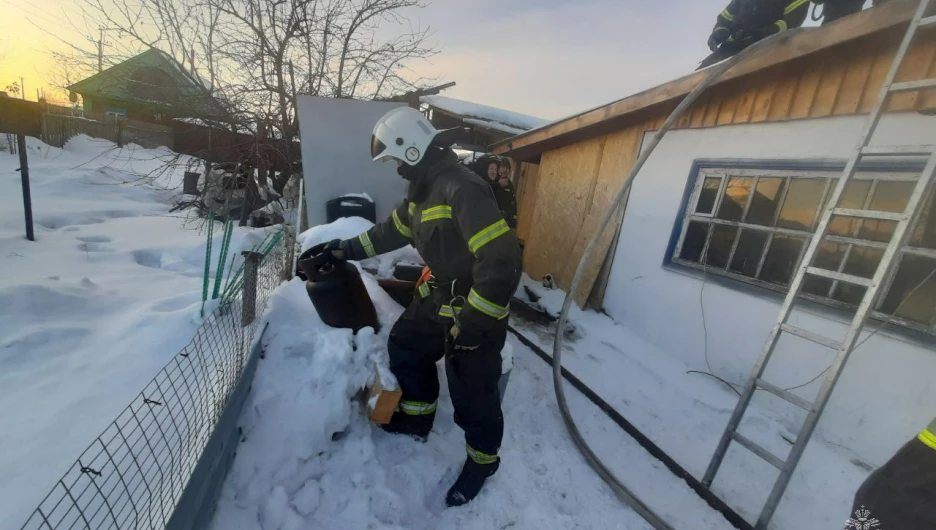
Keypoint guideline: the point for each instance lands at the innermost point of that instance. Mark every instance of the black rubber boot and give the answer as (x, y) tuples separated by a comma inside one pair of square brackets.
[(469, 483), (416, 426)]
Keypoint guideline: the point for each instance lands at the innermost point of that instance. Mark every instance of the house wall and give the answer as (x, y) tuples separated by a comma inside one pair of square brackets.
[(570, 197), (885, 394), (526, 177)]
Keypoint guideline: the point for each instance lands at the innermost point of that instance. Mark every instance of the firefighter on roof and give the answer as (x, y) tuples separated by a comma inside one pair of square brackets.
[(744, 22), (451, 218)]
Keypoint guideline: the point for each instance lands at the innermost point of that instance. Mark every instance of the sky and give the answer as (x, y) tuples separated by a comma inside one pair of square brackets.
[(547, 58)]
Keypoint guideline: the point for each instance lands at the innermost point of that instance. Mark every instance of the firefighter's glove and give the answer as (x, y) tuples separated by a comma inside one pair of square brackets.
[(464, 340), (719, 35), (336, 247)]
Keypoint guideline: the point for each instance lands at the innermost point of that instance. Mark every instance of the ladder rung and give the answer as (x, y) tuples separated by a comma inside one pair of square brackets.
[(911, 86), (840, 276), (784, 394), (868, 214), (928, 21), (810, 336), (897, 150), (758, 450)]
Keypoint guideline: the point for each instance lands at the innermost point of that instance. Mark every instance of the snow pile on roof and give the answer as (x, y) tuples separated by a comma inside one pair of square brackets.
[(485, 116), (90, 311)]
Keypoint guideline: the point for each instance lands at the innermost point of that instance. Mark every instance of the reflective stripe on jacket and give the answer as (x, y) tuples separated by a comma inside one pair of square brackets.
[(460, 233), (759, 19), (928, 435)]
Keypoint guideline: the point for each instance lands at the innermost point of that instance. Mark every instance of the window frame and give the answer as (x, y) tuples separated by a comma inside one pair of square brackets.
[(774, 168)]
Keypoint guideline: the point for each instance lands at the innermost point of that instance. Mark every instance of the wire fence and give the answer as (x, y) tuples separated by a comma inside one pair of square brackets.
[(134, 474)]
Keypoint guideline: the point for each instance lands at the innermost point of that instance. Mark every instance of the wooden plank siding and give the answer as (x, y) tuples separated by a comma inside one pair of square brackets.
[(560, 207)]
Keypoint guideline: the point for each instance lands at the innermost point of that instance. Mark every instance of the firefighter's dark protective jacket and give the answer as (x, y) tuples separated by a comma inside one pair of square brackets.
[(458, 230), (901, 494), (506, 202), (758, 19)]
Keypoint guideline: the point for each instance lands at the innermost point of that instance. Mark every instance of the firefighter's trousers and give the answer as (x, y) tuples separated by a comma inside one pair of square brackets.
[(417, 342), (901, 494)]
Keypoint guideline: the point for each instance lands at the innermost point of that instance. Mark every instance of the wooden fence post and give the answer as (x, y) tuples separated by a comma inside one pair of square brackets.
[(24, 175)]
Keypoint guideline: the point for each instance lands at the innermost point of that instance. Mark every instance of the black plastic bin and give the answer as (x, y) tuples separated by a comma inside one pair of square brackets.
[(350, 206)]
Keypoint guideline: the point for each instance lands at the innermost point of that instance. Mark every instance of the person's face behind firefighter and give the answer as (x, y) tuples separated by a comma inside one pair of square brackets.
[(492, 170)]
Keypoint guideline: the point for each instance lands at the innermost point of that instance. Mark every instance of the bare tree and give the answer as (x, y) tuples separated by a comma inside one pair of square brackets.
[(256, 55), (251, 58)]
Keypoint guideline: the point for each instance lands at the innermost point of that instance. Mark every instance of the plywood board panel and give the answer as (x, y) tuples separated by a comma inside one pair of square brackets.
[(711, 113), (698, 110), (879, 66), (787, 83), (762, 101), (806, 90), (855, 82), (526, 199), (732, 96), (745, 106), (618, 158), (829, 85), (914, 65), (566, 181), (927, 100)]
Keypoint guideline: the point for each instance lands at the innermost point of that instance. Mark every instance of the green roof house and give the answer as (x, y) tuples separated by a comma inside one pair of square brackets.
[(151, 87)]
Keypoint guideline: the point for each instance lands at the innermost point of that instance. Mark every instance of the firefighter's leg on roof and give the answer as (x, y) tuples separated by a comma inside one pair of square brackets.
[(833, 10), (472, 378), (416, 343)]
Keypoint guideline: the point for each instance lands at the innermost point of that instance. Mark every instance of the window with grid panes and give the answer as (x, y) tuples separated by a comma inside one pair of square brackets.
[(754, 225)]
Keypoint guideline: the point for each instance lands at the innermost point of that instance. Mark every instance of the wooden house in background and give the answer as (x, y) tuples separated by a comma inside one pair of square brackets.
[(150, 87)]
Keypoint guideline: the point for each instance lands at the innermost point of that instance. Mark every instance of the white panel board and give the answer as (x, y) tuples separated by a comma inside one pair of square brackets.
[(336, 154), (885, 378)]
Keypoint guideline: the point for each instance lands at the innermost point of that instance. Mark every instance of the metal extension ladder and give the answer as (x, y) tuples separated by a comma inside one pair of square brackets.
[(845, 346)]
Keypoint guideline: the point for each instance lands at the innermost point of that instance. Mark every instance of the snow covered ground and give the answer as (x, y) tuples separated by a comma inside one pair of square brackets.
[(90, 311), (685, 414), (111, 290), (293, 471)]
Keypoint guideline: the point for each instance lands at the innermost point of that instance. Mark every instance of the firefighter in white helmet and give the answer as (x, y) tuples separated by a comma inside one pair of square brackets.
[(452, 219)]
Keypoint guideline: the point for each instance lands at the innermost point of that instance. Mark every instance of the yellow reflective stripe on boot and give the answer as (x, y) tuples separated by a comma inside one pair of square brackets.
[(436, 212), (487, 235), (928, 438), (479, 457), (486, 306), (402, 228), (417, 408), (447, 312), (366, 243), (424, 290)]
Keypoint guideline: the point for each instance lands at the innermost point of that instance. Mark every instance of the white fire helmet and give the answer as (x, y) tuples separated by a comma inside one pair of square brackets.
[(403, 134)]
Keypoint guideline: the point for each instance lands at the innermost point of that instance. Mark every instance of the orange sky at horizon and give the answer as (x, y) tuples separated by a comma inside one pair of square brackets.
[(28, 35)]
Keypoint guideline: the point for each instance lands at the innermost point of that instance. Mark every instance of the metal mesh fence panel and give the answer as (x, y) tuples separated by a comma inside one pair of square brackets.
[(134, 473)]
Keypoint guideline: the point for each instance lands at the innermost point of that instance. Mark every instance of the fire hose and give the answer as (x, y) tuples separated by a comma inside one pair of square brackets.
[(619, 488)]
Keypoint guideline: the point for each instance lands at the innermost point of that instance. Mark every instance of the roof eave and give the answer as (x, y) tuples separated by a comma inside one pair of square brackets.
[(796, 44)]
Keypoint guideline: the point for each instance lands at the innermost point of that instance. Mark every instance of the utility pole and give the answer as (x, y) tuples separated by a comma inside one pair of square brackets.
[(100, 51), (22, 88)]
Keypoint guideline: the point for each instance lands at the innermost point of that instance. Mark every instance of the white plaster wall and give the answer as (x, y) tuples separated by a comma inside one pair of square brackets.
[(886, 393), (336, 159)]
